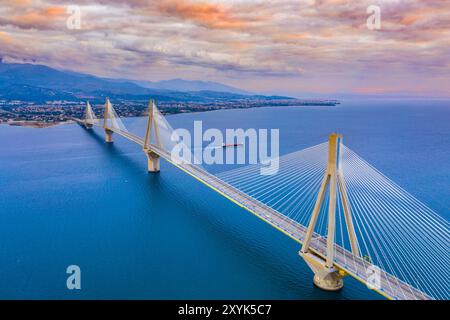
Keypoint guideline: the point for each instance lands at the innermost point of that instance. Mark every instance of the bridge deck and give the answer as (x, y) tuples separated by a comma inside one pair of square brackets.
[(390, 286)]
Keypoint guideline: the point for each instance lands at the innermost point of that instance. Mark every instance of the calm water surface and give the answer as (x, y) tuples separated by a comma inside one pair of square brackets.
[(68, 198)]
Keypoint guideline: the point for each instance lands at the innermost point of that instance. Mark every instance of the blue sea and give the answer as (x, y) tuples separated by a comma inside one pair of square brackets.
[(67, 198)]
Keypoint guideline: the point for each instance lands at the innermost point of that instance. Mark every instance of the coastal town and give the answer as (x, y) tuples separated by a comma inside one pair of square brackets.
[(25, 113)]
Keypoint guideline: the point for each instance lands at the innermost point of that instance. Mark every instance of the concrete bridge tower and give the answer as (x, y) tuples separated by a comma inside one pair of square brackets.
[(327, 276), (89, 116), (152, 158), (106, 116)]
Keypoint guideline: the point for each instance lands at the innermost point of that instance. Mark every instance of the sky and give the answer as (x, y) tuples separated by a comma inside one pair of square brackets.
[(296, 47)]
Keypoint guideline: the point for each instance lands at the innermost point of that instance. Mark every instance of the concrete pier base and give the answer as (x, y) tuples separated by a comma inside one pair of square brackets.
[(108, 136), (325, 278), (328, 280), (153, 162)]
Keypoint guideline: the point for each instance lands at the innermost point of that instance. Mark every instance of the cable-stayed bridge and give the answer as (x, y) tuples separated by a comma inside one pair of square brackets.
[(349, 218)]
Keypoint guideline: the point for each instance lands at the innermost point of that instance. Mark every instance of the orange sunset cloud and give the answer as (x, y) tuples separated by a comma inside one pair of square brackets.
[(207, 14), (38, 18), (5, 37)]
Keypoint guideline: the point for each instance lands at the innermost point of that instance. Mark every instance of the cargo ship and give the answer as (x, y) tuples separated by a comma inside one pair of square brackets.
[(228, 145)]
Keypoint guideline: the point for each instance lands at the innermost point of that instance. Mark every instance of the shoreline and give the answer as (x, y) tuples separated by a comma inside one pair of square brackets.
[(36, 124)]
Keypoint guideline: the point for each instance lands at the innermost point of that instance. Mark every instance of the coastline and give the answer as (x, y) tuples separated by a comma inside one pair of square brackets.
[(36, 124), (46, 124)]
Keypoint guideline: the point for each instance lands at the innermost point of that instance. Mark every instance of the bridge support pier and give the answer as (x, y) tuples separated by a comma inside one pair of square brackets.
[(108, 136), (153, 158), (326, 275), (328, 279), (153, 162)]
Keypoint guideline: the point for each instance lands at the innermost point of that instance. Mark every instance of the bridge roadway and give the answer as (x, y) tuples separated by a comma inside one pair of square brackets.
[(390, 286)]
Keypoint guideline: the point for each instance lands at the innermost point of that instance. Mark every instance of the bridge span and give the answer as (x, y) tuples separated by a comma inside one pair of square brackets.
[(344, 262)]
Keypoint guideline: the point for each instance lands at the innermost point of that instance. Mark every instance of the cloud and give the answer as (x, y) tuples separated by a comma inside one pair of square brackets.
[(211, 15), (5, 38), (256, 44), (34, 18)]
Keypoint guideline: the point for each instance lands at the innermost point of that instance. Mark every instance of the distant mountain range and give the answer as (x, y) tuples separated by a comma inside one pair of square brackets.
[(38, 83), (190, 85)]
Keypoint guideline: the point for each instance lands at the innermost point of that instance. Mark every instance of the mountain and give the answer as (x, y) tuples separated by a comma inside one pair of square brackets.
[(43, 76), (38, 83), (191, 85), (28, 93)]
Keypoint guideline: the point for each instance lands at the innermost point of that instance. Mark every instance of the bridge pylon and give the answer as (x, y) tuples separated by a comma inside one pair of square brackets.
[(88, 114), (106, 116), (327, 276), (152, 124)]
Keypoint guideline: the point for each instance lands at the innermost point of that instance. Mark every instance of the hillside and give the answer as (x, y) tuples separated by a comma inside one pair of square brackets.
[(38, 83)]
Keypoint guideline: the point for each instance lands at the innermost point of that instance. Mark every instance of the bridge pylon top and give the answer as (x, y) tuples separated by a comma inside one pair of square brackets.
[(152, 125), (89, 116)]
